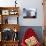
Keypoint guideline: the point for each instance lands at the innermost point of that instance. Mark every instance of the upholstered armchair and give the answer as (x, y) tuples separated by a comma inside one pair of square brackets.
[(30, 38)]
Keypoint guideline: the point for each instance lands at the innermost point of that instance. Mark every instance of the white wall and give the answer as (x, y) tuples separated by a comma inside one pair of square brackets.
[(36, 4), (7, 3)]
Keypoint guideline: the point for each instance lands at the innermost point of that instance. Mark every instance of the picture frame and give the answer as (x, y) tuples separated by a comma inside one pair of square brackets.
[(5, 12), (13, 12), (31, 13)]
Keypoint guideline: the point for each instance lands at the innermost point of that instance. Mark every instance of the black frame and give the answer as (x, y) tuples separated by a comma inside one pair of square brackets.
[(28, 14)]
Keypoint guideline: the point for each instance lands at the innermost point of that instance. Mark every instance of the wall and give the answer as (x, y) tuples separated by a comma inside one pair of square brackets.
[(36, 4), (7, 3)]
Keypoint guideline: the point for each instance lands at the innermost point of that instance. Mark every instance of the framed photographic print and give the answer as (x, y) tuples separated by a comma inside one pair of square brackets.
[(5, 12), (13, 12), (31, 13)]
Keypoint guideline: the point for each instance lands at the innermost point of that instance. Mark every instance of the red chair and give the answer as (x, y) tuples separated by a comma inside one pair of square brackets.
[(29, 33)]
